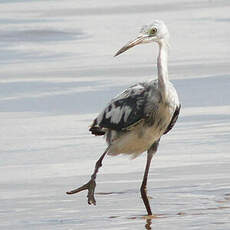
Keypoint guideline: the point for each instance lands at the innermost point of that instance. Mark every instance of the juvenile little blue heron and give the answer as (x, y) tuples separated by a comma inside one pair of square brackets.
[(134, 121)]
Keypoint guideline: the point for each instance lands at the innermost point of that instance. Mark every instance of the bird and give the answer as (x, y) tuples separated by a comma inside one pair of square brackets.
[(134, 121)]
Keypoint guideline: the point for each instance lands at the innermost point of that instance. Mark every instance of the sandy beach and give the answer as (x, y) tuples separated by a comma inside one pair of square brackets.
[(57, 72)]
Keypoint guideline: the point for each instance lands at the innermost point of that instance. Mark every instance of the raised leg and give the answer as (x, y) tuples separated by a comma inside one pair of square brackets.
[(150, 154), (90, 186)]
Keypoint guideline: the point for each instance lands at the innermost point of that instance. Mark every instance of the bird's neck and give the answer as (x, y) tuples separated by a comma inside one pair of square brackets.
[(162, 66)]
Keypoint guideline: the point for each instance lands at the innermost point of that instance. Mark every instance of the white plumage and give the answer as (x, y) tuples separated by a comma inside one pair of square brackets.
[(134, 121)]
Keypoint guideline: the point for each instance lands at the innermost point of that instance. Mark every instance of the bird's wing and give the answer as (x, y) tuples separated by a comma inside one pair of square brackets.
[(174, 119), (125, 110)]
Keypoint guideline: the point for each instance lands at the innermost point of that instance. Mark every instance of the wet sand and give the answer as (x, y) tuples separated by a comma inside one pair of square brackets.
[(58, 71)]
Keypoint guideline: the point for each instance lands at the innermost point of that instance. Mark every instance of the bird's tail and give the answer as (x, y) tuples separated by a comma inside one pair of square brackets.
[(97, 131)]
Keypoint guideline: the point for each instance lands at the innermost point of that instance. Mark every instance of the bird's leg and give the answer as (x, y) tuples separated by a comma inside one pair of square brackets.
[(143, 189), (144, 183), (90, 186)]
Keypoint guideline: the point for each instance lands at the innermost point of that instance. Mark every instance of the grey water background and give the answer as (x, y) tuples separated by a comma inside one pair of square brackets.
[(57, 71)]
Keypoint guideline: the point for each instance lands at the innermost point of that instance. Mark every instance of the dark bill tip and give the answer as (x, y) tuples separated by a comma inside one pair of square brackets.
[(131, 44), (123, 49)]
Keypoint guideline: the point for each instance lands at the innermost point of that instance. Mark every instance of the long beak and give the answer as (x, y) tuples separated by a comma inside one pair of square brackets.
[(131, 44)]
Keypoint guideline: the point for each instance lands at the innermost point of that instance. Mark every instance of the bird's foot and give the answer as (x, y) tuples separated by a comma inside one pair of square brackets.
[(90, 186)]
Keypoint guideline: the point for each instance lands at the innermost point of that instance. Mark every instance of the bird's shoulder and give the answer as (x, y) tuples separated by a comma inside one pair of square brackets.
[(172, 94), (129, 107)]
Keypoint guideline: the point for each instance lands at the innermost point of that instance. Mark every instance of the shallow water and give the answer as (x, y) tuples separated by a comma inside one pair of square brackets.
[(58, 71)]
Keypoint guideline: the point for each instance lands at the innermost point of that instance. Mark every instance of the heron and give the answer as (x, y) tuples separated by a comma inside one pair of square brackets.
[(135, 120)]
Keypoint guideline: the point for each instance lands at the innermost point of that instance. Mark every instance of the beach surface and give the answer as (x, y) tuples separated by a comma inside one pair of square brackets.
[(57, 72)]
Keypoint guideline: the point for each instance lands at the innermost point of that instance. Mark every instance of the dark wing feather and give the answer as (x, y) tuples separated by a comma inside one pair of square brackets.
[(174, 119), (123, 111)]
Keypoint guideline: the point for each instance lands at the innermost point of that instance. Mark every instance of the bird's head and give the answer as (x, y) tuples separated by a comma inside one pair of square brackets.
[(154, 32)]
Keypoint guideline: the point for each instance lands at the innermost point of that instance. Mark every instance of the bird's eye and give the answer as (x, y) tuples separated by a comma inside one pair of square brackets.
[(152, 31)]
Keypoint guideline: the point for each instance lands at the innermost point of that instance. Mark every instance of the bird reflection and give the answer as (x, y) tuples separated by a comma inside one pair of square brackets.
[(148, 224)]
